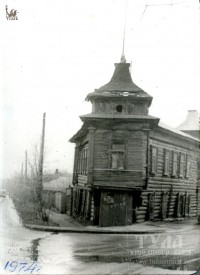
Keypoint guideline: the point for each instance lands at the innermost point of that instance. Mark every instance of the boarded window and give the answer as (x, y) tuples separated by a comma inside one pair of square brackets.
[(181, 165), (154, 153), (188, 163), (166, 171), (174, 164), (118, 156)]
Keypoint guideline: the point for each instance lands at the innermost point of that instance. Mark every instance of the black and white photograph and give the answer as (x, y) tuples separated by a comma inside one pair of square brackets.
[(100, 137)]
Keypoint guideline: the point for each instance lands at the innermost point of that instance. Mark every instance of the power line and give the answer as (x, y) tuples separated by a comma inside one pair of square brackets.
[(144, 10), (168, 4), (159, 5)]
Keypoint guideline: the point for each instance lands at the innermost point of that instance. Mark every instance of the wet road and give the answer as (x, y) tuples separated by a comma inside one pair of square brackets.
[(92, 253)]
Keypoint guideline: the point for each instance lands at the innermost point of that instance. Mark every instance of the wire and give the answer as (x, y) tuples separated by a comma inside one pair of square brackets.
[(144, 11), (168, 4), (159, 5)]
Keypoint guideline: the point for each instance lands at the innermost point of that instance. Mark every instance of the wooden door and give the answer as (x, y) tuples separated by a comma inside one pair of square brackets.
[(97, 198), (114, 209)]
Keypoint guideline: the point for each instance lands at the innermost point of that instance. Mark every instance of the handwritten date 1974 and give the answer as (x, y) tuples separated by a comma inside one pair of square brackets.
[(22, 267)]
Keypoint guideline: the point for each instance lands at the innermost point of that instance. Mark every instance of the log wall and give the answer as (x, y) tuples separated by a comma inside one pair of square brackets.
[(134, 173), (172, 186)]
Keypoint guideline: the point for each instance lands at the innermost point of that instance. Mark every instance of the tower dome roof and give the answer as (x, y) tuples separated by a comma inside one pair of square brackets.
[(121, 80), (121, 84)]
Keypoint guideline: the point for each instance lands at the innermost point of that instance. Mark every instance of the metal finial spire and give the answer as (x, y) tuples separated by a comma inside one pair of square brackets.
[(123, 59)]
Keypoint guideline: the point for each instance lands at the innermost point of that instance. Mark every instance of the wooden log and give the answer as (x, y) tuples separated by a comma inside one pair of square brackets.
[(140, 221), (140, 216)]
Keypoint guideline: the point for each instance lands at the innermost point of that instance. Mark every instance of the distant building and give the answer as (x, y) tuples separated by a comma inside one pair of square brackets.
[(128, 166), (55, 191), (191, 125)]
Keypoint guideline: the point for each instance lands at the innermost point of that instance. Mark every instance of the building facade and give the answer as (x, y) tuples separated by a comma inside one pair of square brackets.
[(128, 166)]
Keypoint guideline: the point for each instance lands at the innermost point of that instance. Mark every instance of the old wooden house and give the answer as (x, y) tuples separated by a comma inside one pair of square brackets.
[(128, 166)]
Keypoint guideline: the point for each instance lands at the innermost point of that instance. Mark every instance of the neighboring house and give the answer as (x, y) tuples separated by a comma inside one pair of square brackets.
[(128, 166), (191, 125), (54, 192)]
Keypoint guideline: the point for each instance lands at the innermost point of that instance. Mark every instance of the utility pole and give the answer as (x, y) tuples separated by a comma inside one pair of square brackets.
[(22, 170), (41, 160), (25, 172)]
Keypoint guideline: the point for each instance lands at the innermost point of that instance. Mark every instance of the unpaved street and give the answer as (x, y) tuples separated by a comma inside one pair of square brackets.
[(68, 253)]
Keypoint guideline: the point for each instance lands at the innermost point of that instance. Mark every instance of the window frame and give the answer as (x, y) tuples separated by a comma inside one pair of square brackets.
[(188, 167), (174, 171), (83, 160), (181, 165), (118, 152), (153, 159), (166, 168)]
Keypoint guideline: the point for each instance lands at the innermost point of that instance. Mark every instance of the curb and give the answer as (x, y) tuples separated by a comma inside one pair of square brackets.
[(56, 229)]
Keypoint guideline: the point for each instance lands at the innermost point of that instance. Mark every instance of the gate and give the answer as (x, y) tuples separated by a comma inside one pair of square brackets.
[(115, 208)]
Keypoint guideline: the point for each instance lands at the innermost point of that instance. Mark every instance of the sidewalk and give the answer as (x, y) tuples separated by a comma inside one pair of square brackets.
[(67, 224)]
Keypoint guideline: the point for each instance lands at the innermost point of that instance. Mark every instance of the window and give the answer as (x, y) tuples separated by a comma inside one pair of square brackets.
[(174, 164), (188, 163), (118, 157), (183, 204), (166, 162), (108, 198), (119, 108), (181, 165), (101, 107), (154, 152), (83, 160)]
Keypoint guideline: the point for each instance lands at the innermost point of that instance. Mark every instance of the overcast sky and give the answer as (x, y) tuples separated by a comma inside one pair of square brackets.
[(59, 51)]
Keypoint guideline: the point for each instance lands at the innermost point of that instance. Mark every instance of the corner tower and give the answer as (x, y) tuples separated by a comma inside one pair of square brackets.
[(111, 155), (120, 96)]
